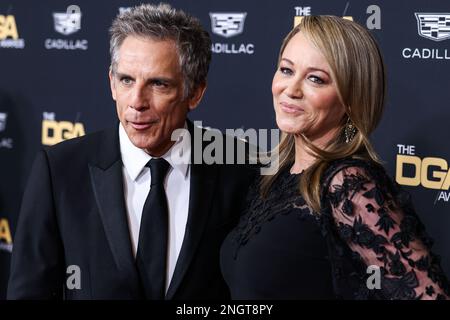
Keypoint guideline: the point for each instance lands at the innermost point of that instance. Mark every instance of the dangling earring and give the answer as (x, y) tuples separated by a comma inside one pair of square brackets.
[(349, 131)]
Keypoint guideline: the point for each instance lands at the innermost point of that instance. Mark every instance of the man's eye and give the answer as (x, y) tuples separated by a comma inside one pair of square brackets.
[(159, 83), (286, 71), (126, 80), (316, 79)]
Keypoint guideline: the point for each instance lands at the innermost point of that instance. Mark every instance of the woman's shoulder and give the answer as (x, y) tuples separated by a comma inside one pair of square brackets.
[(354, 166), (351, 175), (355, 173)]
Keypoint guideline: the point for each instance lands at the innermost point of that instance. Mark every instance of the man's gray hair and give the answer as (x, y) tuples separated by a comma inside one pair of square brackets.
[(162, 22)]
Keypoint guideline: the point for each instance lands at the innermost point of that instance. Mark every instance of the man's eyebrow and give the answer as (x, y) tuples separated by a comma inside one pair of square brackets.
[(162, 79), (122, 75), (148, 80)]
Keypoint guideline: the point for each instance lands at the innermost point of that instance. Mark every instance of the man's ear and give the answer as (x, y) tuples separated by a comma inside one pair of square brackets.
[(112, 84), (196, 96)]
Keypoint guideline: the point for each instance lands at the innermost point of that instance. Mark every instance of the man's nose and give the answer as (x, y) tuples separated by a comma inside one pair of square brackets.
[(139, 99)]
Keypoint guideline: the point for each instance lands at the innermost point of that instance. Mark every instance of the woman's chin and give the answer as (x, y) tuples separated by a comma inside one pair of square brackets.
[(288, 126)]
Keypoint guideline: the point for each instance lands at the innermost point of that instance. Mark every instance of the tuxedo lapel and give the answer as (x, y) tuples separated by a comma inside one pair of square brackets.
[(202, 189), (107, 183)]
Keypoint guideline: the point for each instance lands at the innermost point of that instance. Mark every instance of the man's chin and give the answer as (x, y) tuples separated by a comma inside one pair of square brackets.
[(151, 147), (141, 140), (142, 144)]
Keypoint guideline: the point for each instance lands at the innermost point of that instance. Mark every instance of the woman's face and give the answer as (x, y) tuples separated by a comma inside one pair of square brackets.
[(304, 94)]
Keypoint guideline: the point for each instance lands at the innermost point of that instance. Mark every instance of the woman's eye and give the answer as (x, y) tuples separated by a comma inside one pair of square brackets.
[(316, 79), (286, 71)]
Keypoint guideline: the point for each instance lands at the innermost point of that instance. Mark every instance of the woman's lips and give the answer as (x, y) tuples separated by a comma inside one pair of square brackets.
[(290, 108)]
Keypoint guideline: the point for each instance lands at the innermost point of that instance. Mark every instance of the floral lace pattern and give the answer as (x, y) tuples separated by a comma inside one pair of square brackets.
[(281, 201), (366, 220), (378, 223)]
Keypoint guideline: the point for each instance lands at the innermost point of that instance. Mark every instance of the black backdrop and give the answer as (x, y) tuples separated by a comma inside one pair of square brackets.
[(54, 86)]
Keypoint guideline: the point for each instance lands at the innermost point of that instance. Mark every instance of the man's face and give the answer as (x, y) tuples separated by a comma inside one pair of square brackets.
[(148, 88)]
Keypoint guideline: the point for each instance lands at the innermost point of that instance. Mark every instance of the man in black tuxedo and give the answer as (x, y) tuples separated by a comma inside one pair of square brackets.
[(113, 214)]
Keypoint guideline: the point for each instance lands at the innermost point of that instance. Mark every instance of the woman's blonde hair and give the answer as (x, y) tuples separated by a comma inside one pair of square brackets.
[(357, 69)]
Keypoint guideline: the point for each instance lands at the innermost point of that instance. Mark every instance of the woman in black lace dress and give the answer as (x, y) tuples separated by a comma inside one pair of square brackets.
[(329, 223)]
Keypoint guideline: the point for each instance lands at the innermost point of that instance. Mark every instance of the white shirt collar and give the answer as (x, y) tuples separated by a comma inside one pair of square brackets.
[(134, 159)]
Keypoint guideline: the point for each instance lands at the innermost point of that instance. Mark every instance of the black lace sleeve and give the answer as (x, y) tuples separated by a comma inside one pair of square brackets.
[(380, 227)]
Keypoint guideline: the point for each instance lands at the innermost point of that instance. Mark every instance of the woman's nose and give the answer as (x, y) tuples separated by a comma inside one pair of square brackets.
[(294, 90)]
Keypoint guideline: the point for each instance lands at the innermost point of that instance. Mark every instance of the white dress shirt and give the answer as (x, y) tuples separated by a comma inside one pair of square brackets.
[(137, 181)]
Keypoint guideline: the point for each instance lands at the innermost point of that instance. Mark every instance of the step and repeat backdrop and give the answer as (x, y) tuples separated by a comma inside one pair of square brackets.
[(54, 86)]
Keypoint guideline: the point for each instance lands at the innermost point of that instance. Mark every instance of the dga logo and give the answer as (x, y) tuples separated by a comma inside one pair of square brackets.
[(3, 117), (227, 24), (429, 172), (301, 12), (67, 23), (9, 35), (5, 236), (373, 21), (54, 132), (434, 26)]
